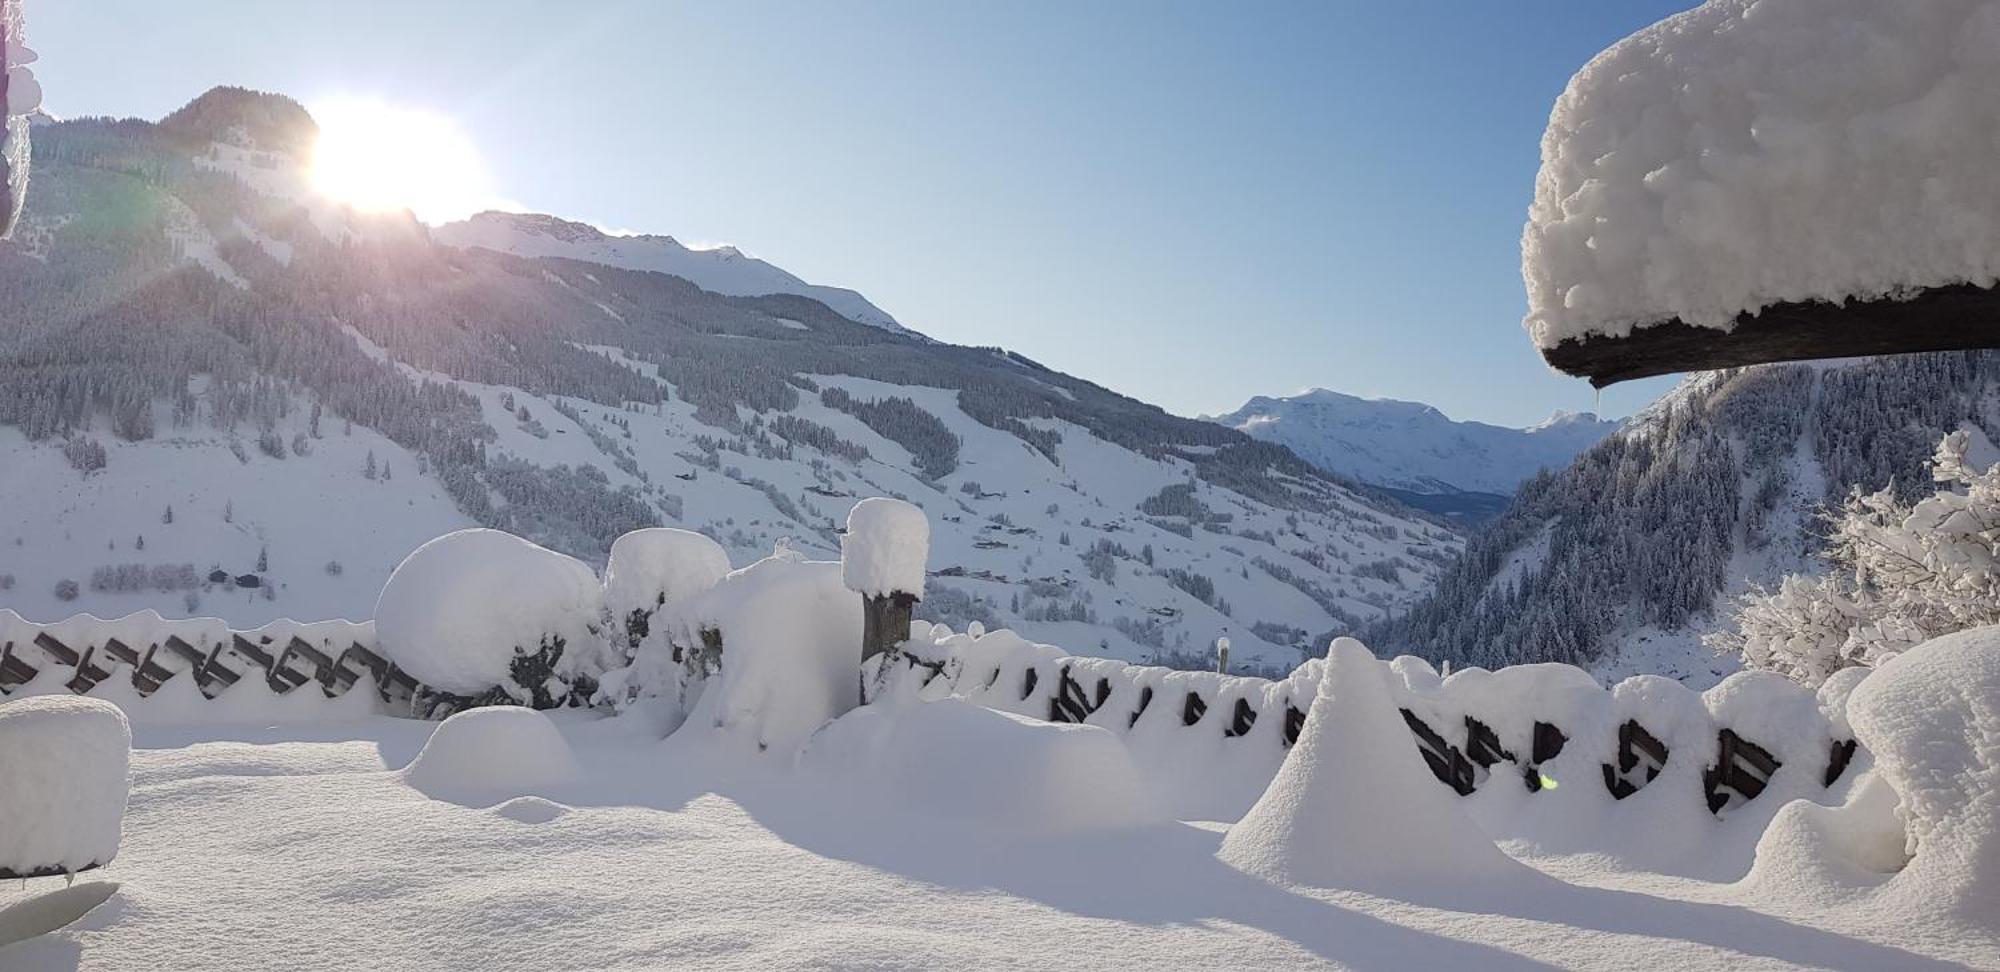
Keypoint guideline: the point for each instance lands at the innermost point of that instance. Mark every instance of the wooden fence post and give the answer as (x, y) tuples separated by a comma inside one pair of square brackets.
[(885, 621)]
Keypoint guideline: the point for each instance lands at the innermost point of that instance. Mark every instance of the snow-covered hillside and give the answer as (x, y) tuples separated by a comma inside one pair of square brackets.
[(723, 269), (1621, 561), (1412, 446), (323, 391)]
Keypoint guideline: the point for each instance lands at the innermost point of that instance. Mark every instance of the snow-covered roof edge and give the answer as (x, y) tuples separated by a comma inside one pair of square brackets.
[(1756, 152)]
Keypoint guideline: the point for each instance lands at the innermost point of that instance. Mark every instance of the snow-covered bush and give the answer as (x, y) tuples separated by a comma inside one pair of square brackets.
[(63, 782), (492, 618), (1906, 573), (653, 578), (653, 569)]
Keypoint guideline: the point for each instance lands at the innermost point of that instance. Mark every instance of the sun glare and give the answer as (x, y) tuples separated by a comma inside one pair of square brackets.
[(379, 157)]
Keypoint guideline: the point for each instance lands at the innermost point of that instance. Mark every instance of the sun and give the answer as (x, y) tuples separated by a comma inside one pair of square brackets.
[(379, 157)]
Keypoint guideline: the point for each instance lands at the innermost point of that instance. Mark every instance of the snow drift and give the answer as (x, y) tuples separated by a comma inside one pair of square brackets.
[(1352, 806), (1751, 152), (952, 758), (480, 757), (1931, 717), (1916, 844), (791, 652), (63, 783)]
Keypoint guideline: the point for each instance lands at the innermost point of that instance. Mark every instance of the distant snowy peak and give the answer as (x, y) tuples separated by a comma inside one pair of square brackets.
[(723, 270), (1412, 446)]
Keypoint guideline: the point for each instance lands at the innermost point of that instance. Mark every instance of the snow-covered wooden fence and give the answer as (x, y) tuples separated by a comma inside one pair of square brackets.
[(1471, 730), (675, 597), (1468, 738), (146, 652)]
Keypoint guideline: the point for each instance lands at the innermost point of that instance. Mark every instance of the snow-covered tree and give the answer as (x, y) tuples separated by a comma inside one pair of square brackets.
[(1908, 572)]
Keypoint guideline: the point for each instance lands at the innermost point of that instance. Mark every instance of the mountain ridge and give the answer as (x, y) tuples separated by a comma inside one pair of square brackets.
[(1621, 560), (307, 392), (724, 269), (1411, 447)]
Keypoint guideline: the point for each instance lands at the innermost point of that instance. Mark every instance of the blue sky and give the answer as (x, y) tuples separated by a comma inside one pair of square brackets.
[(1188, 203)]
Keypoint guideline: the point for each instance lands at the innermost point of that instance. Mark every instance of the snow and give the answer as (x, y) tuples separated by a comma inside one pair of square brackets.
[(63, 783), (722, 270), (180, 701), (1410, 445), (955, 759), (185, 231), (1353, 807), (303, 513), (885, 547), (24, 92), (1750, 152), (314, 510), (1929, 717), (791, 636), (1916, 844), (458, 610), (927, 832), (659, 857), (483, 756), (660, 569)]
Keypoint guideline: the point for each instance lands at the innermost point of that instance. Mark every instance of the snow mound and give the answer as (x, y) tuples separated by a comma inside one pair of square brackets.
[(659, 567), (457, 611), (1750, 152), (482, 756), (885, 547), (63, 782), (531, 810), (1353, 805), (994, 769), (1931, 717), (791, 652)]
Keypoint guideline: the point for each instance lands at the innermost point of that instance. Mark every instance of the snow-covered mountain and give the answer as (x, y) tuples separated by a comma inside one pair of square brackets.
[(221, 394), (1411, 446), (723, 269), (1623, 559)]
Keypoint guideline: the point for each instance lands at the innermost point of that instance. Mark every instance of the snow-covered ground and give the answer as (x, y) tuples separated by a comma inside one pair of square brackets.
[(996, 803), (1008, 516), (300, 847)]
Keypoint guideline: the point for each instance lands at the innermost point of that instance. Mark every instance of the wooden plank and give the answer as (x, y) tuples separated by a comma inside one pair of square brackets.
[(1955, 318)]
